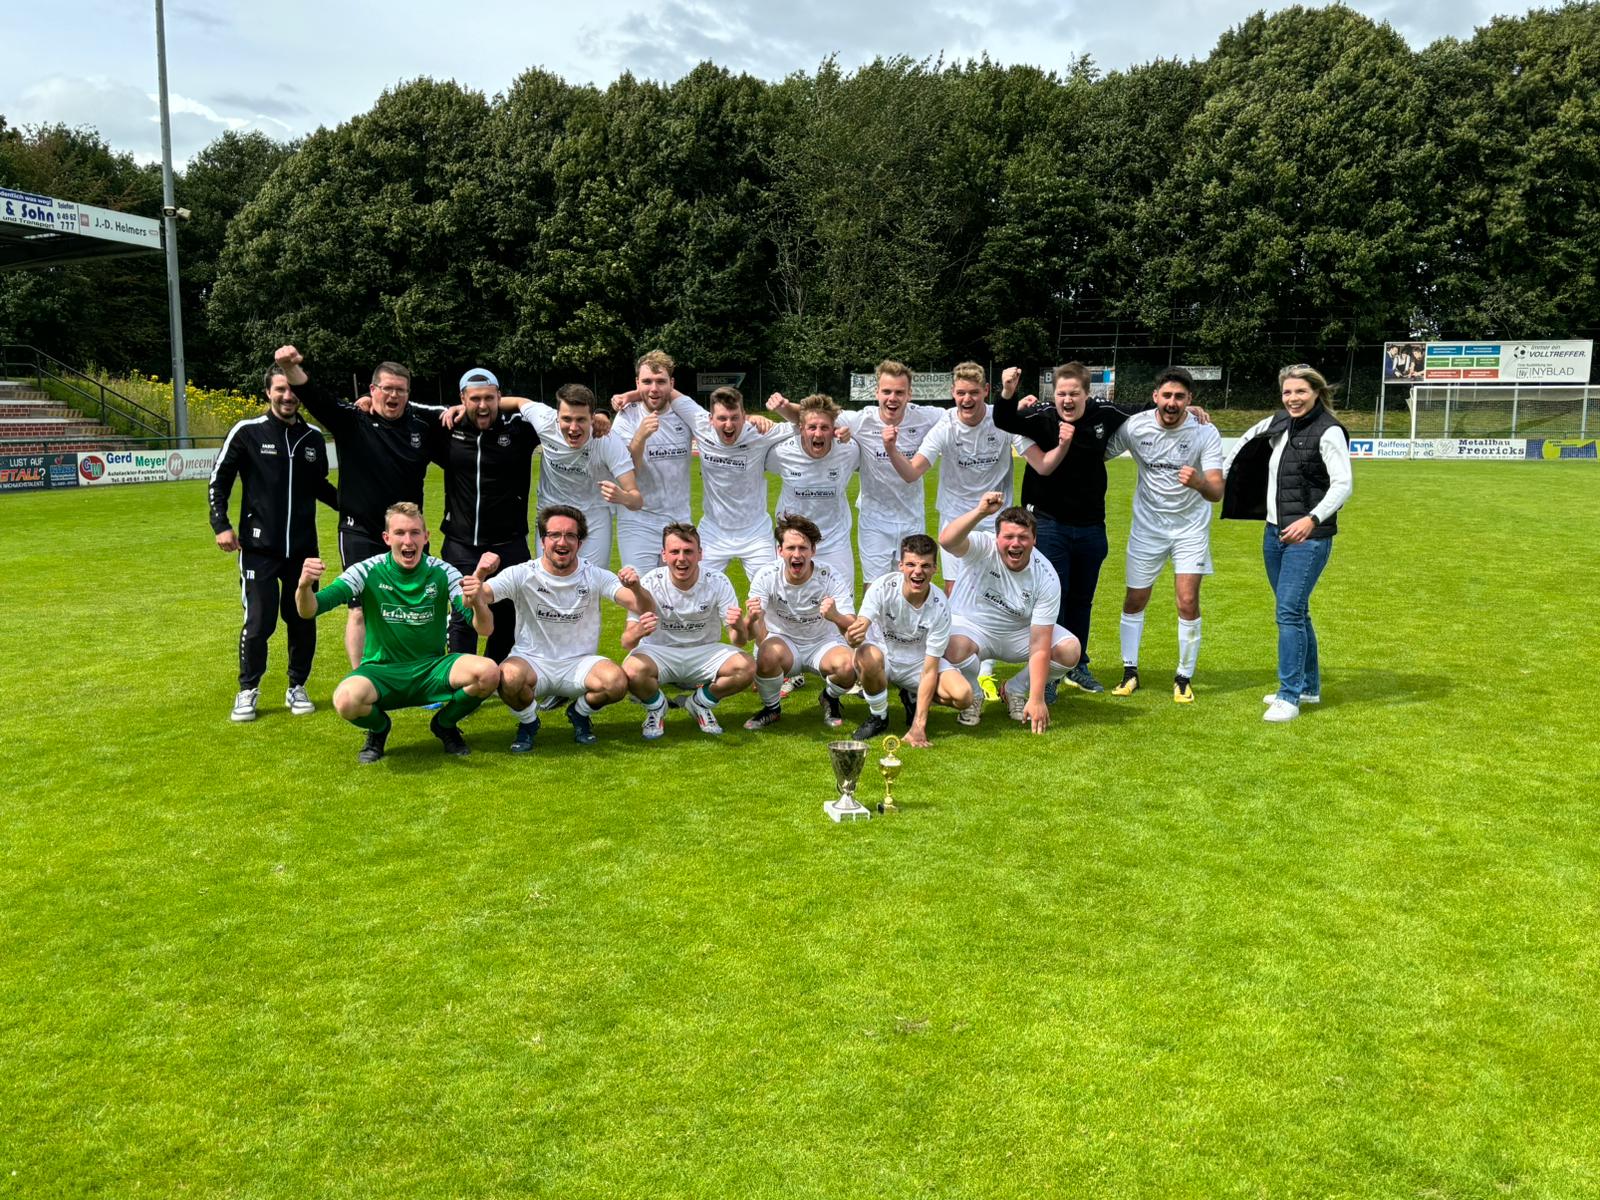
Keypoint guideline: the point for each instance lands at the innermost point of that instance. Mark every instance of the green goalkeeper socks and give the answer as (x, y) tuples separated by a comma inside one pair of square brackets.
[(458, 706), (376, 721)]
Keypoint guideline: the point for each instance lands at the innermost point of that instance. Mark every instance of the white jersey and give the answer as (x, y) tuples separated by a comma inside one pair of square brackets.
[(733, 491), (885, 499), (997, 599), (691, 617), (663, 477), (794, 609), (910, 633), (817, 487), (558, 616), (1163, 507), (977, 459), (569, 475)]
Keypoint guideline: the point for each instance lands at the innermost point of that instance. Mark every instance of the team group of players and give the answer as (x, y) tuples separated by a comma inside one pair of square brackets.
[(1019, 579)]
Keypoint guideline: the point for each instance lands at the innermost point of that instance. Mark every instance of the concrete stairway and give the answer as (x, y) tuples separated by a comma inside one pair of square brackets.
[(33, 422)]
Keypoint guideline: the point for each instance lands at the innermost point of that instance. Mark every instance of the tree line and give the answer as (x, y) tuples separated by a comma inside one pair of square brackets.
[(1312, 172)]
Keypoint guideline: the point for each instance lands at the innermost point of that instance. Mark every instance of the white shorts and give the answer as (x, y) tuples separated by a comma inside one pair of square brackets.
[(596, 547), (562, 677), (639, 539), (841, 560), (1190, 553), (687, 666), (1011, 646), (808, 655), (949, 564), (880, 548), (755, 549), (903, 674)]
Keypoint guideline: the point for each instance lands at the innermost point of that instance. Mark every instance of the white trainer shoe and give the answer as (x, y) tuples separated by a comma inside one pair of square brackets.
[(704, 717), (972, 713), (1305, 698), (244, 705), (1016, 702), (1280, 710), (655, 722), (297, 702)]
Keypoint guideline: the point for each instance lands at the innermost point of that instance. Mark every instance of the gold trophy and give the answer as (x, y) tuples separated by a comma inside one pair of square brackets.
[(848, 758), (889, 767)]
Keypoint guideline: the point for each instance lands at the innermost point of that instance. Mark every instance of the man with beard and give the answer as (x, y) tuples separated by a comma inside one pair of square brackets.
[(283, 464)]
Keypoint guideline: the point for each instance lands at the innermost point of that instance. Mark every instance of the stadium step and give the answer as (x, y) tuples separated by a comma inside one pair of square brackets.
[(11, 409)]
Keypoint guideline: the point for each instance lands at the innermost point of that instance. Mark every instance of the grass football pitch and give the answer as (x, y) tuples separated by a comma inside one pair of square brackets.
[(1162, 951)]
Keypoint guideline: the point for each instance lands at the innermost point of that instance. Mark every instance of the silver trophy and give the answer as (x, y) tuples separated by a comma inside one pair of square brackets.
[(848, 758)]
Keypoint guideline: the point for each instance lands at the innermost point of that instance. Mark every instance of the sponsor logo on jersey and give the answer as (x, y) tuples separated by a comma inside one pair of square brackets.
[(398, 614), (269, 448)]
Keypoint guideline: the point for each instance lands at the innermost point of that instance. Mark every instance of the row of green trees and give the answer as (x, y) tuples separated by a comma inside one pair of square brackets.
[(1314, 171)]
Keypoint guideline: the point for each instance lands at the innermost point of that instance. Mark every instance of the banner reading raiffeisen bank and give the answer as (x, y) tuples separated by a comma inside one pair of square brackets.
[(1487, 362), (64, 216)]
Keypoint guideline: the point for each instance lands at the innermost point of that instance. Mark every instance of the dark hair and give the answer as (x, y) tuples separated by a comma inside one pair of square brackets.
[(563, 510), (576, 395), (728, 397), (804, 526), (1016, 515), (1071, 370), (680, 529), (390, 368), (1175, 375), (275, 370), (918, 543)]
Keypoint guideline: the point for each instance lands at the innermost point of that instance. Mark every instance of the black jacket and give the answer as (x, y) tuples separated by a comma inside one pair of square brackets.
[(1075, 492), (381, 462), (284, 469), (487, 473), (1302, 475)]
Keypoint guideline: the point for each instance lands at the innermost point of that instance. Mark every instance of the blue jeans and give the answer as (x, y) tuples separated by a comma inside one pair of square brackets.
[(1076, 552), (1293, 571)]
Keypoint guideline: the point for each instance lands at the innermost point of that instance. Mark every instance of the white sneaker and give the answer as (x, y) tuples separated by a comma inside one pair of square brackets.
[(704, 717), (972, 713), (1015, 703), (1305, 698), (655, 722), (244, 705), (297, 702), (1280, 710), (791, 684)]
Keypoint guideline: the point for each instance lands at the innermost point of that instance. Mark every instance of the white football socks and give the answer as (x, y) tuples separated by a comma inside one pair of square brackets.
[(1131, 631), (769, 688), (1188, 646)]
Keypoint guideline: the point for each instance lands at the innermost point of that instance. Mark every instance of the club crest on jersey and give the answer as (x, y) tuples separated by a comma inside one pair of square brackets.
[(311, 454), (416, 440), (503, 440), (1100, 429)]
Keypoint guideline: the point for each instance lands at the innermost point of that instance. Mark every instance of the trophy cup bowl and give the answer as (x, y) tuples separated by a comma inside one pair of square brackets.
[(889, 767), (848, 758)]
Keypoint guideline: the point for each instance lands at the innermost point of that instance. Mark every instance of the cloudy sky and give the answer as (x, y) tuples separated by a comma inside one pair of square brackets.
[(287, 67)]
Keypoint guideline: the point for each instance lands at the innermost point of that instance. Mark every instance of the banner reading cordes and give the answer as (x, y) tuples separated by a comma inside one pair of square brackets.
[(140, 466), (1487, 362)]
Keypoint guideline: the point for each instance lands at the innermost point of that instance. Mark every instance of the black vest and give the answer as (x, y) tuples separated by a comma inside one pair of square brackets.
[(1302, 475)]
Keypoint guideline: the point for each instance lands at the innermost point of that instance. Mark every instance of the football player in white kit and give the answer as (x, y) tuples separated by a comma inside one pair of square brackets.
[(901, 635), (659, 432), (815, 467), (797, 612), (681, 641), (579, 467), (1180, 477), (1005, 605), (557, 598)]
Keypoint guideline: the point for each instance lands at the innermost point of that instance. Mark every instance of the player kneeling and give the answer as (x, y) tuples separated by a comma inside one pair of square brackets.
[(406, 597), (681, 641), (797, 613), (912, 623), (1005, 603), (557, 600)]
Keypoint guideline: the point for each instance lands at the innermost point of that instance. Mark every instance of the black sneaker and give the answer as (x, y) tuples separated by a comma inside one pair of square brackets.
[(909, 703), (1052, 689), (526, 732), (582, 728), (767, 716), (832, 714), (372, 749), (1082, 678), (871, 727), (451, 737)]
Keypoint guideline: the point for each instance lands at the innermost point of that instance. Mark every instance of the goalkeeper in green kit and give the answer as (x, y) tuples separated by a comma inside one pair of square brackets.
[(407, 597)]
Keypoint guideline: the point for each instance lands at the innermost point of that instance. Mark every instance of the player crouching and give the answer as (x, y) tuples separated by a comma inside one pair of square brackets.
[(1005, 603), (557, 601), (681, 641), (911, 619), (406, 597), (797, 613)]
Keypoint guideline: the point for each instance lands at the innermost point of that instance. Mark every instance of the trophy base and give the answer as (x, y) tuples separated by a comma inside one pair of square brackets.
[(845, 810)]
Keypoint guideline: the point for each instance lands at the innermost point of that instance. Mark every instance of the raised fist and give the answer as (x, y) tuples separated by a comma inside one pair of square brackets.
[(648, 426), (487, 565), (827, 608), (1187, 475), (753, 608), (471, 588), (312, 570), (776, 401), (891, 435), (628, 577), (1065, 436), (647, 623), (857, 633), (991, 503), (731, 614), (288, 356), (1009, 378)]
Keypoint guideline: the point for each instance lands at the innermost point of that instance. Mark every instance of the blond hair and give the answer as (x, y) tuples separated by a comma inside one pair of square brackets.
[(403, 508), (817, 402), (659, 359), (896, 369), (1311, 375), (971, 372)]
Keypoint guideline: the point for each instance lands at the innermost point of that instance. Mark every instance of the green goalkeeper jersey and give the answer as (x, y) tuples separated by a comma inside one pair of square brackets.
[(408, 612)]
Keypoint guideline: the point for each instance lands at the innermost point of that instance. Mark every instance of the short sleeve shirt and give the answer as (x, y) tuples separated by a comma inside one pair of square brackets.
[(999, 600)]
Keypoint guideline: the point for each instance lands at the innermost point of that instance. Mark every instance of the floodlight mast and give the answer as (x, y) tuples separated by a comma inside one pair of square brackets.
[(169, 223)]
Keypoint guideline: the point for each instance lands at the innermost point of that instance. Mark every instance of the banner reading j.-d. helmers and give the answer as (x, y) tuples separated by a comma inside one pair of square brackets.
[(1487, 362)]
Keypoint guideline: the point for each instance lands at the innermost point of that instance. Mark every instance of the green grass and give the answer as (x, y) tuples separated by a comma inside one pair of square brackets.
[(1160, 951)]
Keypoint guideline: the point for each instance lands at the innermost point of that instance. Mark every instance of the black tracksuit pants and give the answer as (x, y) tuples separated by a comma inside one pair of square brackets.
[(266, 585), (464, 556)]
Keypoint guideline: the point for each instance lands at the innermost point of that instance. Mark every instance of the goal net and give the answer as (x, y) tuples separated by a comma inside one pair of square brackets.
[(1525, 410)]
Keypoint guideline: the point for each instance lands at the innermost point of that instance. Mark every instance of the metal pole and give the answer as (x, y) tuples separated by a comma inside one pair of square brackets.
[(1515, 389), (169, 220)]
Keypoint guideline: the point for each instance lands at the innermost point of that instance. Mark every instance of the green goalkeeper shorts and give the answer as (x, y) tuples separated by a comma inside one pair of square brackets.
[(410, 684)]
